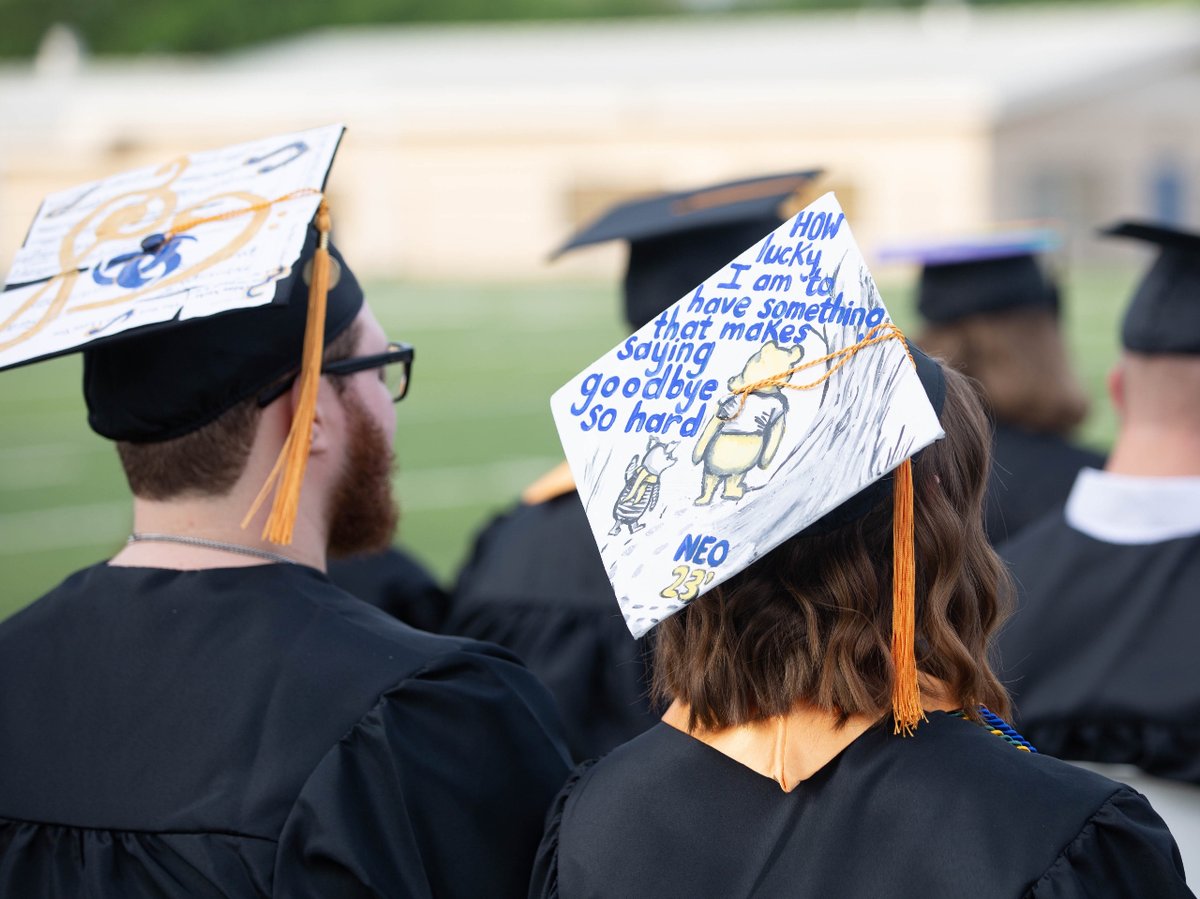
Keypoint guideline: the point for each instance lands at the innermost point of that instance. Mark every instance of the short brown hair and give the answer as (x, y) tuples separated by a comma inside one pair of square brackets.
[(1019, 359), (209, 460), (811, 620)]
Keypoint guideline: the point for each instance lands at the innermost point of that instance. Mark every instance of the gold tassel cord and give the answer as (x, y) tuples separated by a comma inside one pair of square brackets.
[(188, 224), (287, 475), (878, 334), (906, 689), (906, 692)]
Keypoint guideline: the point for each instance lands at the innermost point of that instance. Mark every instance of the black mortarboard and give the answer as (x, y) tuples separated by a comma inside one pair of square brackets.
[(978, 275), (189, 287), (677, 240), (759, 465), (1164, 314)]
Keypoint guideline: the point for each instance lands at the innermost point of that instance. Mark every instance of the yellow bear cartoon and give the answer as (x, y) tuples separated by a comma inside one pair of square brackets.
[(732, 443)]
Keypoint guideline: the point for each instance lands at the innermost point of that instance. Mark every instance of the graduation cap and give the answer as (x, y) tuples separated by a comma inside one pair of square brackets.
[(677, 239), (975, 275), (1164, 314), (189, 287), (774, 398)]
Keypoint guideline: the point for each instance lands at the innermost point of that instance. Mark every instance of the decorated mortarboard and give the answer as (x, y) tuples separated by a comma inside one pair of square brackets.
[(189, 287), (973, 275), (1164, 314), (677, 239), (767, 401)]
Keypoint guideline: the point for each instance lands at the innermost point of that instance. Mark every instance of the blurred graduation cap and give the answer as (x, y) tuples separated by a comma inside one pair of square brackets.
[(189, 288), (685, 485), (677, 239), (975, 275), (1164, 314)]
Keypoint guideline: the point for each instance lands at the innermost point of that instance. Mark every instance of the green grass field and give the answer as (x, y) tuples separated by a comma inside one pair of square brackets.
[(473, 431)]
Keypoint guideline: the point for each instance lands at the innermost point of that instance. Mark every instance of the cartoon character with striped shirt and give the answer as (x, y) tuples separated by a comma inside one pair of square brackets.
[(640, 493)]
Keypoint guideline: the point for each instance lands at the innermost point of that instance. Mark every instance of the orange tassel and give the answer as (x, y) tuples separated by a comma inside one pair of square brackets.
[(287, 476), (906, 692)]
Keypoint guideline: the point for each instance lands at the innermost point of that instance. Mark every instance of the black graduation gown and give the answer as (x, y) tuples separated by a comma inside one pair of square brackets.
[(1101, 656), (394, 581), (258, 732), (1031, 474), (949, 813), (535, 584)]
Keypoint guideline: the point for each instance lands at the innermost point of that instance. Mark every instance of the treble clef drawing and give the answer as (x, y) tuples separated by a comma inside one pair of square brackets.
[(298, 148), (150, 212), (119, 218)]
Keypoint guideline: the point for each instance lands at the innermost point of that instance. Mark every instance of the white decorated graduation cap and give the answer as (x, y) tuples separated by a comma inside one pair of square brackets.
[(774, 397), (1164, 314), (978, 274), (677, 239), (189, 287)]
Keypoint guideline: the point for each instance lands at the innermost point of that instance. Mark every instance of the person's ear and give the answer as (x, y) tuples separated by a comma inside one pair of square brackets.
[(321, 428), (1116, 388)]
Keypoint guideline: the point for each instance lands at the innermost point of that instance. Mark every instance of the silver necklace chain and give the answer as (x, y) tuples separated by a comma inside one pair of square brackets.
[(210, 544)]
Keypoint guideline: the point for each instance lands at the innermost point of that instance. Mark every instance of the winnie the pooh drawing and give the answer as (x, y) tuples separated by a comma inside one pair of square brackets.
[(640, 493), (733, 443)]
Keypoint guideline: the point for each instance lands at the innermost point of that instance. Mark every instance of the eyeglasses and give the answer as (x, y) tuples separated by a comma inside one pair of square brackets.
[(394, 364)]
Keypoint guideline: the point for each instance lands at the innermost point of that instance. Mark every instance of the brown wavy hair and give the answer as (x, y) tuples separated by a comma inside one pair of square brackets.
[(811, 620), (1020, 361)]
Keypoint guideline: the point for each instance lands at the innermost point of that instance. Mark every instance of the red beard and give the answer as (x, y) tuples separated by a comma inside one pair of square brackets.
[(363, 512)]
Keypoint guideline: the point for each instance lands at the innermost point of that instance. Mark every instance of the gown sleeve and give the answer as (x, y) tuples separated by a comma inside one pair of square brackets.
[(544, 883), (1123, 850), (440, 790)]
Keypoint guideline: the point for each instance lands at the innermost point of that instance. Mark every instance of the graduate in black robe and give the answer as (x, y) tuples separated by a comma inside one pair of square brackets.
[(1032, 473), (533, 581), (256, 731), (954, 811), (535, 584), (206, 714), (393, 580), (991, 309), (1101, 654), (794, 761)]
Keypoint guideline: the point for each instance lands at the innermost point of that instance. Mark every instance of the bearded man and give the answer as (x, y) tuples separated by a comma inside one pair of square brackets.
[(205, 713)]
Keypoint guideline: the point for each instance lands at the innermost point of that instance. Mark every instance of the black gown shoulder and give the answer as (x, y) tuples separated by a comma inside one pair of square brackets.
[(1100, 656), (393, 580), (1031, 474), (258, 732), (953, 811), (534, 583)]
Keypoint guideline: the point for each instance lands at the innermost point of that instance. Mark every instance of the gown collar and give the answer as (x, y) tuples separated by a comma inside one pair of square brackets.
[(788, 749), (1131, 510)]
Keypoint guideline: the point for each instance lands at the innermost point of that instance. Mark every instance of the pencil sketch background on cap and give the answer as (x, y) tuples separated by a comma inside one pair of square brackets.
[(682, 489)]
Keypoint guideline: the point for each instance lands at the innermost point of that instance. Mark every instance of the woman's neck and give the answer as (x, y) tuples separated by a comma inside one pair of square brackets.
[(791, 748)]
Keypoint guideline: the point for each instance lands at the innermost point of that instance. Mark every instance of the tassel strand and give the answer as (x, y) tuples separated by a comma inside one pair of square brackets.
[(906, 692), (287, 476)]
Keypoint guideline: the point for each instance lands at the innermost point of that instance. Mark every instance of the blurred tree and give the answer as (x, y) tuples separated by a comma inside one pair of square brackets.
[(209, 26)]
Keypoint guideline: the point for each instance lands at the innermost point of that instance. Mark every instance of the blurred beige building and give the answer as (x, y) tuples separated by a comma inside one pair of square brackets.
[(473, 151)]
